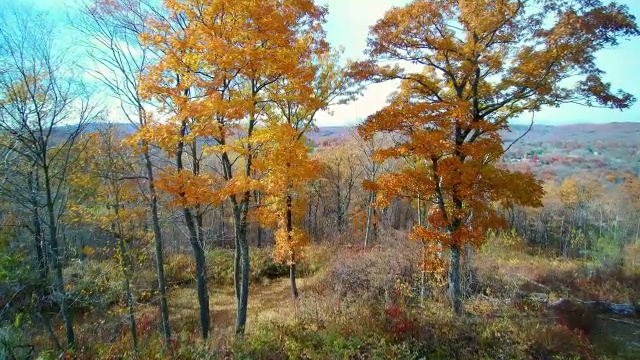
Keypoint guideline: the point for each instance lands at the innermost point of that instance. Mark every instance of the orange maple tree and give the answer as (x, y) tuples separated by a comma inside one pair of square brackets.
[(483, 63), (221, 63)]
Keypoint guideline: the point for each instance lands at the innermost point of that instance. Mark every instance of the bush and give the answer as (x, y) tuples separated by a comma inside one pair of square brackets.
[(93, 285), (14, 343), (180, 270), (220, 265), (302, 340), (263, 266), (376, 272)]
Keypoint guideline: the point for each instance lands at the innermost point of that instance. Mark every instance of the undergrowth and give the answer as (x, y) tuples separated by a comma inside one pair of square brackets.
[(363, 305)]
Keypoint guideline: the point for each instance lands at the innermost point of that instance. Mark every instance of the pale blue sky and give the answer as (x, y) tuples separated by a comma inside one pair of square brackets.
[(348, 25)]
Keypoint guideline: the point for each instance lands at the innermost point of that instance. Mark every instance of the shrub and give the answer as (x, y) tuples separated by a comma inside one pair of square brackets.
[(263, 266), (375, 273), (302, 340), (180, 270), (93, 285), (220, 265)]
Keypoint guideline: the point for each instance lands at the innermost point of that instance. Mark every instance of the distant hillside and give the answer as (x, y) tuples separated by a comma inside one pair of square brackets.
[(576, 132), (554, 152), (551, 152)]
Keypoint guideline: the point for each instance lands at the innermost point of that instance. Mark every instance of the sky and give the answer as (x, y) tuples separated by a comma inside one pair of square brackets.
[(348, 24)]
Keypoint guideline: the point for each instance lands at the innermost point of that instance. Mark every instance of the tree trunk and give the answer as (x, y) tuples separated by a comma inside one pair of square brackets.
[(423, 274), (38, 237), (125, 265), (468, 262), (241, 264), (201, 278), (159, 253), (56, 262), (454, 281), (294, 287), (194, 226), (256, 195), (367, 231), (292, 267), (223, 229)]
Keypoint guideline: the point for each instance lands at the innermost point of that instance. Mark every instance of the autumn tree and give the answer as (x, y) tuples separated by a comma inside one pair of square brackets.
[(283, 155), (180, 136), (341, 172), (220, 64), (577, 195), (105, 193), (632, 189), (43, 111), (119, 58), (483, 63), (287, 167), (371, 170)]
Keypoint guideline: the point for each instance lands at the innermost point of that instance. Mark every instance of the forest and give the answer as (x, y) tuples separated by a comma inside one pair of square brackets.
[(167, 193)]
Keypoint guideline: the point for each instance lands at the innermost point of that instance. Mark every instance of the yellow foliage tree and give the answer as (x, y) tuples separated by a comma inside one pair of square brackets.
[(221, 63), (105, 193), (287, 168)]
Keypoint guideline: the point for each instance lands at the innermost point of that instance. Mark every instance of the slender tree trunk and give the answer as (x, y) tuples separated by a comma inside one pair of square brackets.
[(125, 266), (600, 225), (367, 231), (292, 267), (40, 245), (237, 276), (339, 212), (454, 281), (39, 241), (159, 253), (223, 229), (315, 218), (292, 278), (241, 264), (57, 263), (423, 275), (194, 226), (258, 227), (200, 227), (201, 276), (468, 262)]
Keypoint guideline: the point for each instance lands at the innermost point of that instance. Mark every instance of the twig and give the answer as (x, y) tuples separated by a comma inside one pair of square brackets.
[(521, 136), (620, 321)]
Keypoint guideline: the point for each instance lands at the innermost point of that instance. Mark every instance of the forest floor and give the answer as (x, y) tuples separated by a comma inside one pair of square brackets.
[(506, 313)]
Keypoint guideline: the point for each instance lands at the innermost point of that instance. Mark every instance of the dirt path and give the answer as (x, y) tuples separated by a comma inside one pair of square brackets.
[(266, 302)]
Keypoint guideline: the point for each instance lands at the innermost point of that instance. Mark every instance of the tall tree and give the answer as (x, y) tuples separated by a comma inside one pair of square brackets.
[(287, 168), (43, 110), (483, 62), (221, 63), (119, 57), (105, 185), (284, 155)]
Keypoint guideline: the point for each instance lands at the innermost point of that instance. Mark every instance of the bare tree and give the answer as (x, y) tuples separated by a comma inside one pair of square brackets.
[(371, 169), (119, 58), (44, 110)]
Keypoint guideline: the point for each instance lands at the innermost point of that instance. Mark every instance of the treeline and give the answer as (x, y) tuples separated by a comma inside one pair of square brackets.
[(583, 217)]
